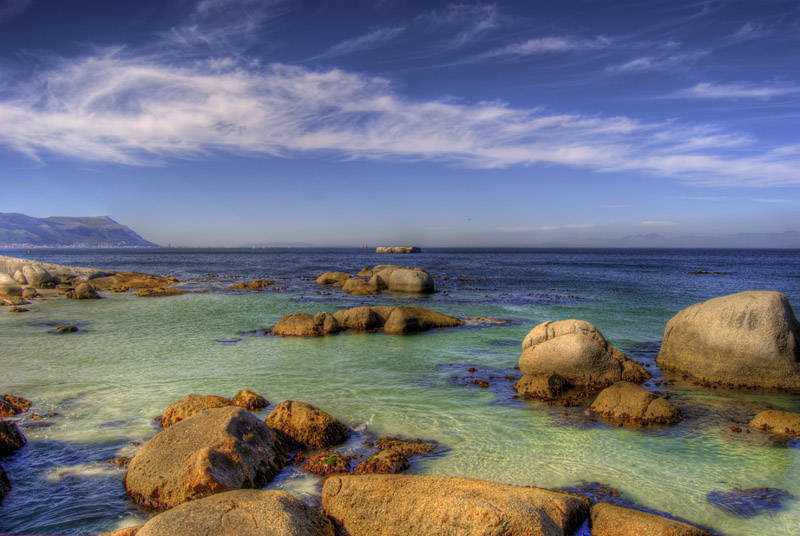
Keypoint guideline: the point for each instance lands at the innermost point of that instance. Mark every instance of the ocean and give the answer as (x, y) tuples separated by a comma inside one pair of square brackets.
[(134, 356)]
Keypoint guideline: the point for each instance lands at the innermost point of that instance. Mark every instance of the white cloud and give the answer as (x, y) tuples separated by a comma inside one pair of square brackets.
[(707, 90), (775, 201), (526, 229), (544, 45), (137, 111), (369, 40), (657, 223)]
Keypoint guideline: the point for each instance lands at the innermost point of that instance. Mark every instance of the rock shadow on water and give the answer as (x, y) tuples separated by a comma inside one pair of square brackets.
[(228, 342), (500, 382), (747, 503)]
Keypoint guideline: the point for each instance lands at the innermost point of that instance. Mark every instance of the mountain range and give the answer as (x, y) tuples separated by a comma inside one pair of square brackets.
[(19, 230)]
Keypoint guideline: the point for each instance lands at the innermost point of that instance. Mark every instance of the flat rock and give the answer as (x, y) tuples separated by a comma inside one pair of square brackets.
[(307, 425), (213, 451), (578, 352), (337, 279), (746, 339), (158, 292), (384, 505), (11, 439), (241, 513), (188, 406), (778, 422), (609, 520), (628, 402)]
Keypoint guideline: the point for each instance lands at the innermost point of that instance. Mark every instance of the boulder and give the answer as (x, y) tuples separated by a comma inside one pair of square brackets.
[(247, 399), (337, 279), (407, 447), (18, 276), (410, 281), (326, 323), (241, 513), (358, 319), (541, 386), (578, 352), (383, 505), (628, 402), (411, 319), (30, 293), (359, 287), (778, 422), (745, 339), (36, 276), (11, 439), (5, 485), (13, 405), (386, 462), (10, 292), (305, 325), (83, 292), (380, 277), (213, 451), (188, 406), (307, 425), (158, 292), (609, 520), (365, 272), (327, 463), (67, 329)]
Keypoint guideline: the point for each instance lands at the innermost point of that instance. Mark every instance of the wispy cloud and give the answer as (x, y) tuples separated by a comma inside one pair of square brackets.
[(463, 23), (654, 63), (708, 90), (9, 8), (658, 223), (373, 39), (526, 229), (543, 45), (775, 201), (580, 226), (138, 111)]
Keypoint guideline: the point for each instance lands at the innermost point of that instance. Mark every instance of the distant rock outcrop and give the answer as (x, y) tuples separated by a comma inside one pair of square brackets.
[(24, 231), (397, 249)]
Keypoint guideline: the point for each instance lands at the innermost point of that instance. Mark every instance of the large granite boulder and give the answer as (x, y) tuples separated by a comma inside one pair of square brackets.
[(308, 426), (213, 451), (11, 439), (411, 319), (745, 339), (36, 276), (359, 319), (609, 520), (578, 352), (337, 279), (83, 292), (778, 422), (188, 406), (241, 513), (5, 485), (305, 325), (628, 402), (384, 505), (410, 281)]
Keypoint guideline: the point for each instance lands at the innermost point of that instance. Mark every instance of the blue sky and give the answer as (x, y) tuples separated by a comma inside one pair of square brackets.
[(223, 122)]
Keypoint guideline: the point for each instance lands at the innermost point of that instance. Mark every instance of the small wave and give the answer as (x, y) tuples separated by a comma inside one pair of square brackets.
[(81, 470), (363, 426)]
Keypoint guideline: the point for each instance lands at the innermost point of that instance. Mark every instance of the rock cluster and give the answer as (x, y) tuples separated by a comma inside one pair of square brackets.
[(390, 319), (384, 277), (397, 249)]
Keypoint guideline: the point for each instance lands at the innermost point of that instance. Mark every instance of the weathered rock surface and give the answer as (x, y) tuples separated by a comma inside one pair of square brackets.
[(67, 329), (13, 405), (578, 352), (407, 447), (327, 463), (541, 386), (158, 292), (778, 422), (6, 279), (210, 452), (188, 406), (248, 399), (305, 325), (609, 520), (628, 402), (745, 339), (241, 513), (337, 279), (307, 425), (383, 505), (11, 439), (83, 291)]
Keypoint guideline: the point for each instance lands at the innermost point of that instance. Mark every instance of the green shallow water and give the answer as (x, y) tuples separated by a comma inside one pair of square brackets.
[(134, 356)]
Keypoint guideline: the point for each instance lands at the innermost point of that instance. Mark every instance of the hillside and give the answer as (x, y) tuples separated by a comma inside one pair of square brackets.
[(19, 230)]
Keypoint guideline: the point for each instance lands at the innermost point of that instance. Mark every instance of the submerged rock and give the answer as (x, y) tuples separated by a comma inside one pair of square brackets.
[(578, 352), (407, 447), (745, 339), (188, 406), (628, 402), (386, 462), (67, 329), (778, 422), (241, 513), (158, 292), (13, 405), (748, 502), (256, 284), (83, 292), (609, 520), (541, 386), (248, 399), (307, 425), (210, 452), (11, 439), (383, 505)]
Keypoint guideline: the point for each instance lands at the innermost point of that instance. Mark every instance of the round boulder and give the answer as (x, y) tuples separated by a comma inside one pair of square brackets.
[(213, 451), (247, 399), (241, 513), (358, 319), (578, 352), (36, 276), (410, 281), (778, 422), (307, 425), (188, 406), (745, 339), (628, 402), (84, 291)]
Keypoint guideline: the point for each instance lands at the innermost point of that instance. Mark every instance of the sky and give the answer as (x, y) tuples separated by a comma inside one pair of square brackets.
[(229, 122)]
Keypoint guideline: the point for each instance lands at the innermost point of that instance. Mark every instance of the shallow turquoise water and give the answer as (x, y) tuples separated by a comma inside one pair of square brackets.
[(134, 356)]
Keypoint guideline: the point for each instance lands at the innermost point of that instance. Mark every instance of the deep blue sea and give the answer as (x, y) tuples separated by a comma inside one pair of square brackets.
[(134, 356)]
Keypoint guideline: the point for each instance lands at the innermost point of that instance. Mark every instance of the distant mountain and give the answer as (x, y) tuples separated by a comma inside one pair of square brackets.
[(19, 230)]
